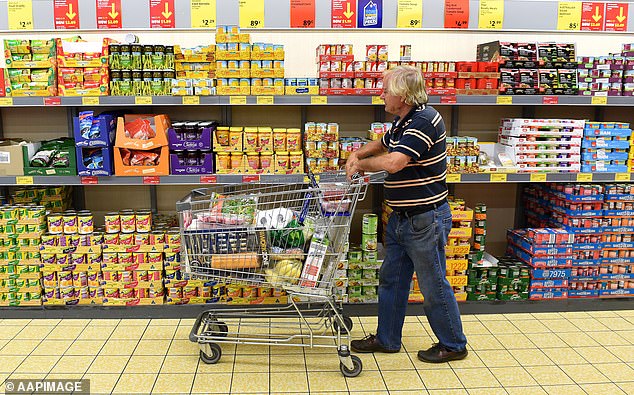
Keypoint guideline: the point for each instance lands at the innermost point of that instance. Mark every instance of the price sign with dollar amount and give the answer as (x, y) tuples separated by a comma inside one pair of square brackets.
[(251, 14), (410, 14), (302, 14)]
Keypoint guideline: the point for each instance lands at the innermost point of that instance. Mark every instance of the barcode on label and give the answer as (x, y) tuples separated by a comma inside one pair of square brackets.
[(5, 157)]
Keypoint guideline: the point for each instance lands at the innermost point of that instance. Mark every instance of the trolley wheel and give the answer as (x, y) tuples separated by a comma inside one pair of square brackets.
[(219, 329), (216, 353), (356, 370), (347, 321)]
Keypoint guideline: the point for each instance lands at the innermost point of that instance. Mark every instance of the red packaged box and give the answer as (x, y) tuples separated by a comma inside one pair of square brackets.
[(2, 90), (487, 83), (467, 66), (488, 67)]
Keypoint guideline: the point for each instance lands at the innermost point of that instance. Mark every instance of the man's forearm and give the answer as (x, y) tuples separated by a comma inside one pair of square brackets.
[(373, 148), (374, 163)]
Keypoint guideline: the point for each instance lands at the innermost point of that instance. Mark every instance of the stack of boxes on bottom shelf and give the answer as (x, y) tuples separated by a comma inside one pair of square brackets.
[(94, 136), (551, 145), (363, 264), (605, 147), (54, 199), (20, 273)]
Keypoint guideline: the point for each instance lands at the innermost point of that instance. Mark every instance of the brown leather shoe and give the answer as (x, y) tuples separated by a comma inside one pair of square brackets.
[(439, 354), (369, 344)]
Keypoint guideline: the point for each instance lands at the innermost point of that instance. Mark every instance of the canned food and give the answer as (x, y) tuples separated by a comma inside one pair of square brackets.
[(370, 256), (140, 275), (70, 223), (175, 292), (126, 239), (110, 258), (85, 224), (140, 257), (55, 224), (80, 279), (144, 221), (369, 242), (112, 223), (173, 237), (126, 293), (111, 292), (93, 279), (128, 222), (141, 238), (369, 224), (111, 239), (234, 291), (190, 291), (154, 275), (65, 279), (125, 257), (155, 257)]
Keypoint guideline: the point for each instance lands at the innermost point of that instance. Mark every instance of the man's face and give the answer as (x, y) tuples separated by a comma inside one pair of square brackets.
[(393, 104)]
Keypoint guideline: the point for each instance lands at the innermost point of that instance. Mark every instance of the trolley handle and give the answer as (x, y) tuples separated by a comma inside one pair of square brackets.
[(185, 204)]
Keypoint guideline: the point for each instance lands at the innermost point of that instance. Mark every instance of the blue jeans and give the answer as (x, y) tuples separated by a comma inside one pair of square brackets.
[(418, 243)]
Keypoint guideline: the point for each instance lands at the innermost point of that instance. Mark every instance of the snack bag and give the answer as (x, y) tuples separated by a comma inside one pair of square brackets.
[(140, 128)]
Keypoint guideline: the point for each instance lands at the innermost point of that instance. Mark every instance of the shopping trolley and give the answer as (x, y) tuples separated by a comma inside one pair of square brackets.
[(280, 238)]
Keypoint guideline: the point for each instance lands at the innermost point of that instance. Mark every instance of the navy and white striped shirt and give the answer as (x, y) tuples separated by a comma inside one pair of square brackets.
[(420, 135)]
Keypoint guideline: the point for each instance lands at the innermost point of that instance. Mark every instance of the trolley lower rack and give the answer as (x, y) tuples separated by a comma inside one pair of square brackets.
[(316, 323)]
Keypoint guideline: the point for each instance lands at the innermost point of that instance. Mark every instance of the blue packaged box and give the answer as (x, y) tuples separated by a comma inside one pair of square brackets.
[(604, 169), (619, 198), (586, 293), (619, 246), (94, 161), (91, 131), (602, 143), (617, 261), (516, 237), (548, 293), (537, 284), (586, 262), (577, 198), (594, 155), (618, 213), (616, 293), (607, 132), (543, 274)]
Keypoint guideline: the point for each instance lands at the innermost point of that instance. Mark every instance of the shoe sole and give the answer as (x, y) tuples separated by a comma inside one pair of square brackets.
[(455, 358), (373, 351)]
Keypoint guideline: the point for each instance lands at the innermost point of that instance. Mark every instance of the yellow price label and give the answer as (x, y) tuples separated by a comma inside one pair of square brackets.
[(24, 180), (498, 177), (90, 101), (203, 14), (319, 100), (6, 101), (409, 14), (191, 100), (265, 100), (491, 15), (307, 179), (623, 177), (377, 100), (251, 14), (599, 100), (20, 14), (504, 100), (238, 100), (143, 100), (584, 177), (454, 178), (538, 177), (569, 15)]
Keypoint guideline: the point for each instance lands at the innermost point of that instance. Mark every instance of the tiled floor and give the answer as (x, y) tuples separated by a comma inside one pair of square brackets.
[(546, 353)]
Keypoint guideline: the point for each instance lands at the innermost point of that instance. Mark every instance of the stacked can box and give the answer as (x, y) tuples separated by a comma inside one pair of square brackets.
[(605, 147), (54, 199), (195, 71), (20, 231), (482, 282), (546, 251), (82, 71), (321, 147), (141, 69), (190, 147), (480, 227), (463, 155), (611, 75), (30, 68), (363, 264), (513, 280), (548, 145)]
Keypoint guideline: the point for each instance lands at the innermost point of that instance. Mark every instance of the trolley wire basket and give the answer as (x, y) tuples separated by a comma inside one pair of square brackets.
[(286, 237)]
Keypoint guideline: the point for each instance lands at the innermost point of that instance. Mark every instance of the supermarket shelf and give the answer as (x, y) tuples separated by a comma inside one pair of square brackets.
[(308, 100), (192, 311), (300, 178)]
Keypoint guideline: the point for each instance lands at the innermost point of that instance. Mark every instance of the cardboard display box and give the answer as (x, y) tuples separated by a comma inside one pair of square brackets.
[(12, 157)]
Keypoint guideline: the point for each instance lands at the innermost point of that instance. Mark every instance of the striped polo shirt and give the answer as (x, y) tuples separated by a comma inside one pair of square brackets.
[(421, 135)]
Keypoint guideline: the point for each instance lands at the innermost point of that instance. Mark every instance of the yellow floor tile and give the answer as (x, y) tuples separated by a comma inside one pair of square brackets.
[(169, 383), (108, 364), (212, 383), (608, 338), (52, 347), (526, 391), (576, 314), (180, 363), (225, 365), (616, 371), (491, 317), (471, 361), (249, 382), (73, 364), (65, 332), (118, 347), (96, 332), (105, 322), (561, 326), (401, 380), (10, 362), (484, 342), (182, 333), (9, 331), (624, 353), (527, 327), (19, 347), (62, 376), (628, 386), (547, 316), (37, 364), (74, 322), (395, 361), (159, 332), (183, 347), (501, 327), (187, 322), (563, 389), (288, 363), (476, 378), (16, 321), (530, 357), (252, 363), (549, 375), (448, 392), (497, 358), (546, 339), (152, 347), (3, 376), (413, 344), (167, 321), (564, 356), (49, 322), (85, 347), (439, 379), (579, 339), (33, 332), (326, 381), (513, 377), (487, 391), (326, 363), (476, 328), (127, 332), (617, 324), (410, 392), (367, 381), (135, 384), (596, 354), (518, 316), (101, 383), (588, 324), (255, 349), (605, 388), (289, 382), (627, 335), (144, 364), (27, 376), (134, 322), (514, 341)]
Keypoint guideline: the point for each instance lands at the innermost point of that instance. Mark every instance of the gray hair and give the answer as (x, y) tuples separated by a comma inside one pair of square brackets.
[(406, 82)]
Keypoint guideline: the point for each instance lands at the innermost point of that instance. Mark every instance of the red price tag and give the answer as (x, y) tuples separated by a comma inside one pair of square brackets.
[(550, 100), (208, 179), (66, 14), (456, 14), (251, 178), (89, 180), (448, 99), (108, 14), (152, 180), (52, 101), (592, 16), (343, 14), (162, 14), (303, 14)]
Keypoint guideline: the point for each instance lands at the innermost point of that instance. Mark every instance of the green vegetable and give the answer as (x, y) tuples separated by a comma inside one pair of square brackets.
[(291, 236)]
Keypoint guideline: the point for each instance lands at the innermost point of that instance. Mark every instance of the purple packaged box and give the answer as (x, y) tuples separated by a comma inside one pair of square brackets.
[(204, 167), (201, 143)]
